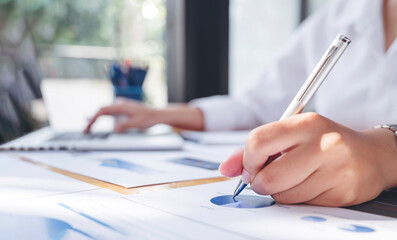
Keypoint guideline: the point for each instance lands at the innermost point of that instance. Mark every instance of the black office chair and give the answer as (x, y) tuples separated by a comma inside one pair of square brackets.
[(16, 43), (7, 73), (20, 79), (25, 58), (19, 86), (9, 120), (7, 81)]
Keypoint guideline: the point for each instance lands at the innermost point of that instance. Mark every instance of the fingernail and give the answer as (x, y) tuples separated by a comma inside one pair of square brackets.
[(246, 177), (220, 166)]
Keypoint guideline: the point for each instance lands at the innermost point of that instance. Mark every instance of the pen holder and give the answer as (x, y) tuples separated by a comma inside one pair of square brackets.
[(130, 92)]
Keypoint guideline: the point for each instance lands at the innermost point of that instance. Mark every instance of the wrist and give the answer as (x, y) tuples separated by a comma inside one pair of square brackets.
[(182, 116), (386, 142), (161, 116)]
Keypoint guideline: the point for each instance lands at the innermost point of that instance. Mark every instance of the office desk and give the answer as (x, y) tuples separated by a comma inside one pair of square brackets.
[(90, 201), (75, 201)]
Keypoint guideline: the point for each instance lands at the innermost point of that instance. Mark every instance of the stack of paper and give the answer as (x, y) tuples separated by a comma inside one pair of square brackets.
[(132, 169), (217, 138)]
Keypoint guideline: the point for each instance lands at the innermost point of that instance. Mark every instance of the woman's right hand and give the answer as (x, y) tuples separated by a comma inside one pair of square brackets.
[(136, 115)]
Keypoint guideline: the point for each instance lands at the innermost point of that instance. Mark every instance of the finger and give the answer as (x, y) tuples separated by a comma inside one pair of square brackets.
[(233, 166), (116, 109), (276, 137), (87, 129), (309, 189), (89, 125), (287, 171)]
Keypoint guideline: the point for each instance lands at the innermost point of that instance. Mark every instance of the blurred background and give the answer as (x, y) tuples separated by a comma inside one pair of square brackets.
[(63, 50)]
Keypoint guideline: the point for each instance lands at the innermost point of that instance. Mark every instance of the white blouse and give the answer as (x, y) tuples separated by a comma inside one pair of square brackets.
[(360, 92)]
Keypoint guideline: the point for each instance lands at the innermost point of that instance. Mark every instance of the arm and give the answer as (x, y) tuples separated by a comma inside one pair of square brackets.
[(323, 162), (261, 104), (265, 101), (182, 116)]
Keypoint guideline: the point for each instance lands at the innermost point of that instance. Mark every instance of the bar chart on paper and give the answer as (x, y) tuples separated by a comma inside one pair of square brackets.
[(243, 201), (262, 218), (128, 166), (132, 169)]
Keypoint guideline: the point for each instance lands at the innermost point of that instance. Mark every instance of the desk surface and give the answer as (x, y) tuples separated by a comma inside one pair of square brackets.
[(188, 207)]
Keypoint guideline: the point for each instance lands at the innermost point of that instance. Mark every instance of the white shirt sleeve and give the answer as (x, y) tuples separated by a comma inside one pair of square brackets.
[(280, 82)]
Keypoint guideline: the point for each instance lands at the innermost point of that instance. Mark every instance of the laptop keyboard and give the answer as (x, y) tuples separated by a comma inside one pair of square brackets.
[(78, 136)]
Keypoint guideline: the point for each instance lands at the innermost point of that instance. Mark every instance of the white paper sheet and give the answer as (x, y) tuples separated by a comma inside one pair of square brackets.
[(132, 169), (97, 215), (271, 222), (19, 180), (219, 152), (217, 138)]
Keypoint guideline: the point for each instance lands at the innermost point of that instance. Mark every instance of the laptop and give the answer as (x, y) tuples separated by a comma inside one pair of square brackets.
[(48, 139), (22, 127)]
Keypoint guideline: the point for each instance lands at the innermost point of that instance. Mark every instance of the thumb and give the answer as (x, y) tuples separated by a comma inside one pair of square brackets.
[(233, 166)]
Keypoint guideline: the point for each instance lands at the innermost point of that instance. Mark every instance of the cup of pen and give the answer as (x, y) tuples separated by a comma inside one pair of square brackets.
[(128, 80)]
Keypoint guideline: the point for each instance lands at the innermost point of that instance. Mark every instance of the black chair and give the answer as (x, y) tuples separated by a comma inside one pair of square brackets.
[(20, 80), (25, 58), (9, 119)]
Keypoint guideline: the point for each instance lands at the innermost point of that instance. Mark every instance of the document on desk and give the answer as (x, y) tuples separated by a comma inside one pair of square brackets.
[(217, 138), (98, 214), (260, 217), (132, 169), (21, 180)]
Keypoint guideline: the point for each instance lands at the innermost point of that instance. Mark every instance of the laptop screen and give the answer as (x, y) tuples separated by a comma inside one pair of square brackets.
[(19, 88)]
